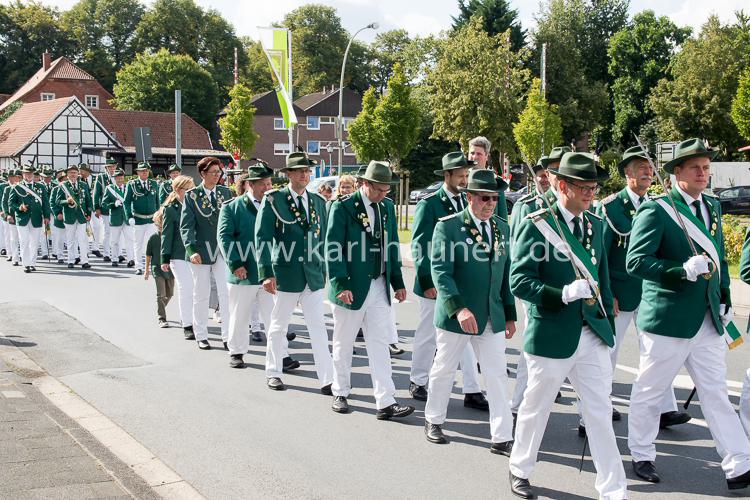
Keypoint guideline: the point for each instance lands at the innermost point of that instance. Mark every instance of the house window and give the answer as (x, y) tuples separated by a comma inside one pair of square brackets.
[(48, 96), (281, 148), (348, 150), (313, 147), (278, 124), (313, 123), (347, 121), (327, 120), (92, 101)]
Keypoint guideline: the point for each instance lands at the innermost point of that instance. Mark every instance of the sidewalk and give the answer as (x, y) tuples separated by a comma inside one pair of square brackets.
[(45, 454)]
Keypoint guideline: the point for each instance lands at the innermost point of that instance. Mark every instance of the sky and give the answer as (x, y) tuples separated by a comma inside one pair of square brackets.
[(423, 17)]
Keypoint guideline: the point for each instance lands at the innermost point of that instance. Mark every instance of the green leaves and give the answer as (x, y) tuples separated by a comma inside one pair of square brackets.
[(237, 133), (538, 124)]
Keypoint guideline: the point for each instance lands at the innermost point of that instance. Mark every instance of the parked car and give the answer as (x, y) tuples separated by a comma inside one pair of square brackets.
[(331, 180), (735, 200), (418, 194)]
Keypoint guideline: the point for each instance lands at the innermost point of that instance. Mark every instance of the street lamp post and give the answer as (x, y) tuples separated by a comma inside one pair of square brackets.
[(340, 125)]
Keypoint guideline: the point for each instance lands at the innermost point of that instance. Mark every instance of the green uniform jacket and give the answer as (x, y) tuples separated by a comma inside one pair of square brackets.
[(524, 206), (100, 187), (37, 209), (172, 247), (745, 263), (292, 253), (199, 222), (475, 278), (501, 210), (673, 306), (351, 249), (55, 208), (81, 195), (4, 202), (3, 187), (164, 190), (538, 275), (429, 210), (618, 211), (140, 203), (117, 215), (237, 239)]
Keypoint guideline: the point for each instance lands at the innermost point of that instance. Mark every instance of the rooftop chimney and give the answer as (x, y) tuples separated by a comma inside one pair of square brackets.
[(46, 61)]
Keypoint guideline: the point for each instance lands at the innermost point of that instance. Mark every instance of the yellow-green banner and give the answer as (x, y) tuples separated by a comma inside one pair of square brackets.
[(276, 45)]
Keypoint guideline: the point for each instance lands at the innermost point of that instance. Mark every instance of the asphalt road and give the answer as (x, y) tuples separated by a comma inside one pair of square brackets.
[(224, 432)]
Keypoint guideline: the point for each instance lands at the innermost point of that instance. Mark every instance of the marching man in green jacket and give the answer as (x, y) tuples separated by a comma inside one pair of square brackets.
[(101, 213), (14, 250), (113, 203), (237, 240), (364, 263), (141, 203), (470, 268), (560, 269), (166, 186), (57, 226), (4, 233), (685, 316), (618, 212), (29, 207), (479, 152), (447, 200), (198, 227), (289, 234), (73, 199), (745, 396)]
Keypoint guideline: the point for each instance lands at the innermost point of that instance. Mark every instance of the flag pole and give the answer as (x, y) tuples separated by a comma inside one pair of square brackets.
[(291, 94)]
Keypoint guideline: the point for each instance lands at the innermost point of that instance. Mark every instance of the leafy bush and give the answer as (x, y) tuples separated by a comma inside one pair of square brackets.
[(734, 236)]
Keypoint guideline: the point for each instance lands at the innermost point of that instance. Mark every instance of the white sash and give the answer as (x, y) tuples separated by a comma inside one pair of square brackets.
[(65, 190), (30, 191), (562, 247), (115, 193), (694, 232)]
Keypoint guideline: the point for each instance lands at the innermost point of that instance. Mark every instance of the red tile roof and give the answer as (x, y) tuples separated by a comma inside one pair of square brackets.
[(24, 125), (121, 124)]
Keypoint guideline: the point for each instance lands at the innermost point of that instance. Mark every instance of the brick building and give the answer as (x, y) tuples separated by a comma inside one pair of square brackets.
[(60, 78)]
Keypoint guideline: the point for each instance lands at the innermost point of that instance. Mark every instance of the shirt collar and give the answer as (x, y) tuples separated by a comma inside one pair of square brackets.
[(295, 194), (634, 197), (567, 214), (688, 199), (208, 191), (450, 195), (365, 199), (477, 220)]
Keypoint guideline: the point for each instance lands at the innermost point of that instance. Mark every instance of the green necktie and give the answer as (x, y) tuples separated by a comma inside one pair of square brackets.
[(698, 212), (376, 233), (301, 207), (485, 234), (577, 228), (212, 196)]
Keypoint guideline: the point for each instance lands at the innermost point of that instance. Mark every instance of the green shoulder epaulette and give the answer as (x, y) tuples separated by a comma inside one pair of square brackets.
[(500, 218), (449, 216), (710, 195), (609, 199), (429, 195), (538, 213), (592, 214), (319, 196)]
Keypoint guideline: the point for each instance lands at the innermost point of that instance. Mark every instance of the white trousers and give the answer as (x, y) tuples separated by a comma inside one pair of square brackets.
[(142, 234), (745, 403), (43, 241), (522, 372), (704, 357), (184, 281), (423, 351), (490, 349), (28, 237), (201, 292), (15, 247), (58, 241), (590, 372), (106, 242), (96, 230), (240, 297), (622, 323), (373, 317), (255, 320), (314, 314), (76, 238), (3, 232), (123, 235)]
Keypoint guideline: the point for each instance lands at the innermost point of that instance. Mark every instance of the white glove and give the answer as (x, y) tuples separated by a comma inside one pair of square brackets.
[(118, 203), (695, 266), (579, 289), (726, 313), (131, 222)]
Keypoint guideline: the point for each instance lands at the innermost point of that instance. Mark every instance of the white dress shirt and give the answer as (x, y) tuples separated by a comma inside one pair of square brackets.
[(478, 224), (689, 200), (568, 217)]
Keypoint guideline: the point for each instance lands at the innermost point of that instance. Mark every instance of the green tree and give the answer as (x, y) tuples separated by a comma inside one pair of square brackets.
[(538, 124), (388, 49), (149, 82), (28, 29), (256, 74), (398, 118), (237, 133), (497, 17), (363, 132), (466, 104), (697, 102), (639, 57), (741, 105)]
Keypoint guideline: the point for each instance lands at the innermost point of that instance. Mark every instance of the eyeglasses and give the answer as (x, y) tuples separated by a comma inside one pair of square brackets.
[(586, 189), (380, 190), (485, 198), (213, 172)]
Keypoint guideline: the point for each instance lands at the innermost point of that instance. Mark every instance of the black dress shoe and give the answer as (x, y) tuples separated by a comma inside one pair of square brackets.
[(739, 482), (235, 361), (256, 337), (138, 272), (27, 269), (107, 259), (131, 263), (226, 347), (340, 405), (86, 266), (121, 259), (60, 261), (646, 471), (97, 253), (434, 433), (16, 263), (326, 390), (477, 401), (503, 449), (670, 418), (275, 384), (581, 431), (290, 336), (520, 487), (44, 257), (289, 364), (204, 345), (418, 392), (115, 264), (70, 266), (394, 411), (395, 350), (188, 331), (616, 417), (3, 252), (77, 261)]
